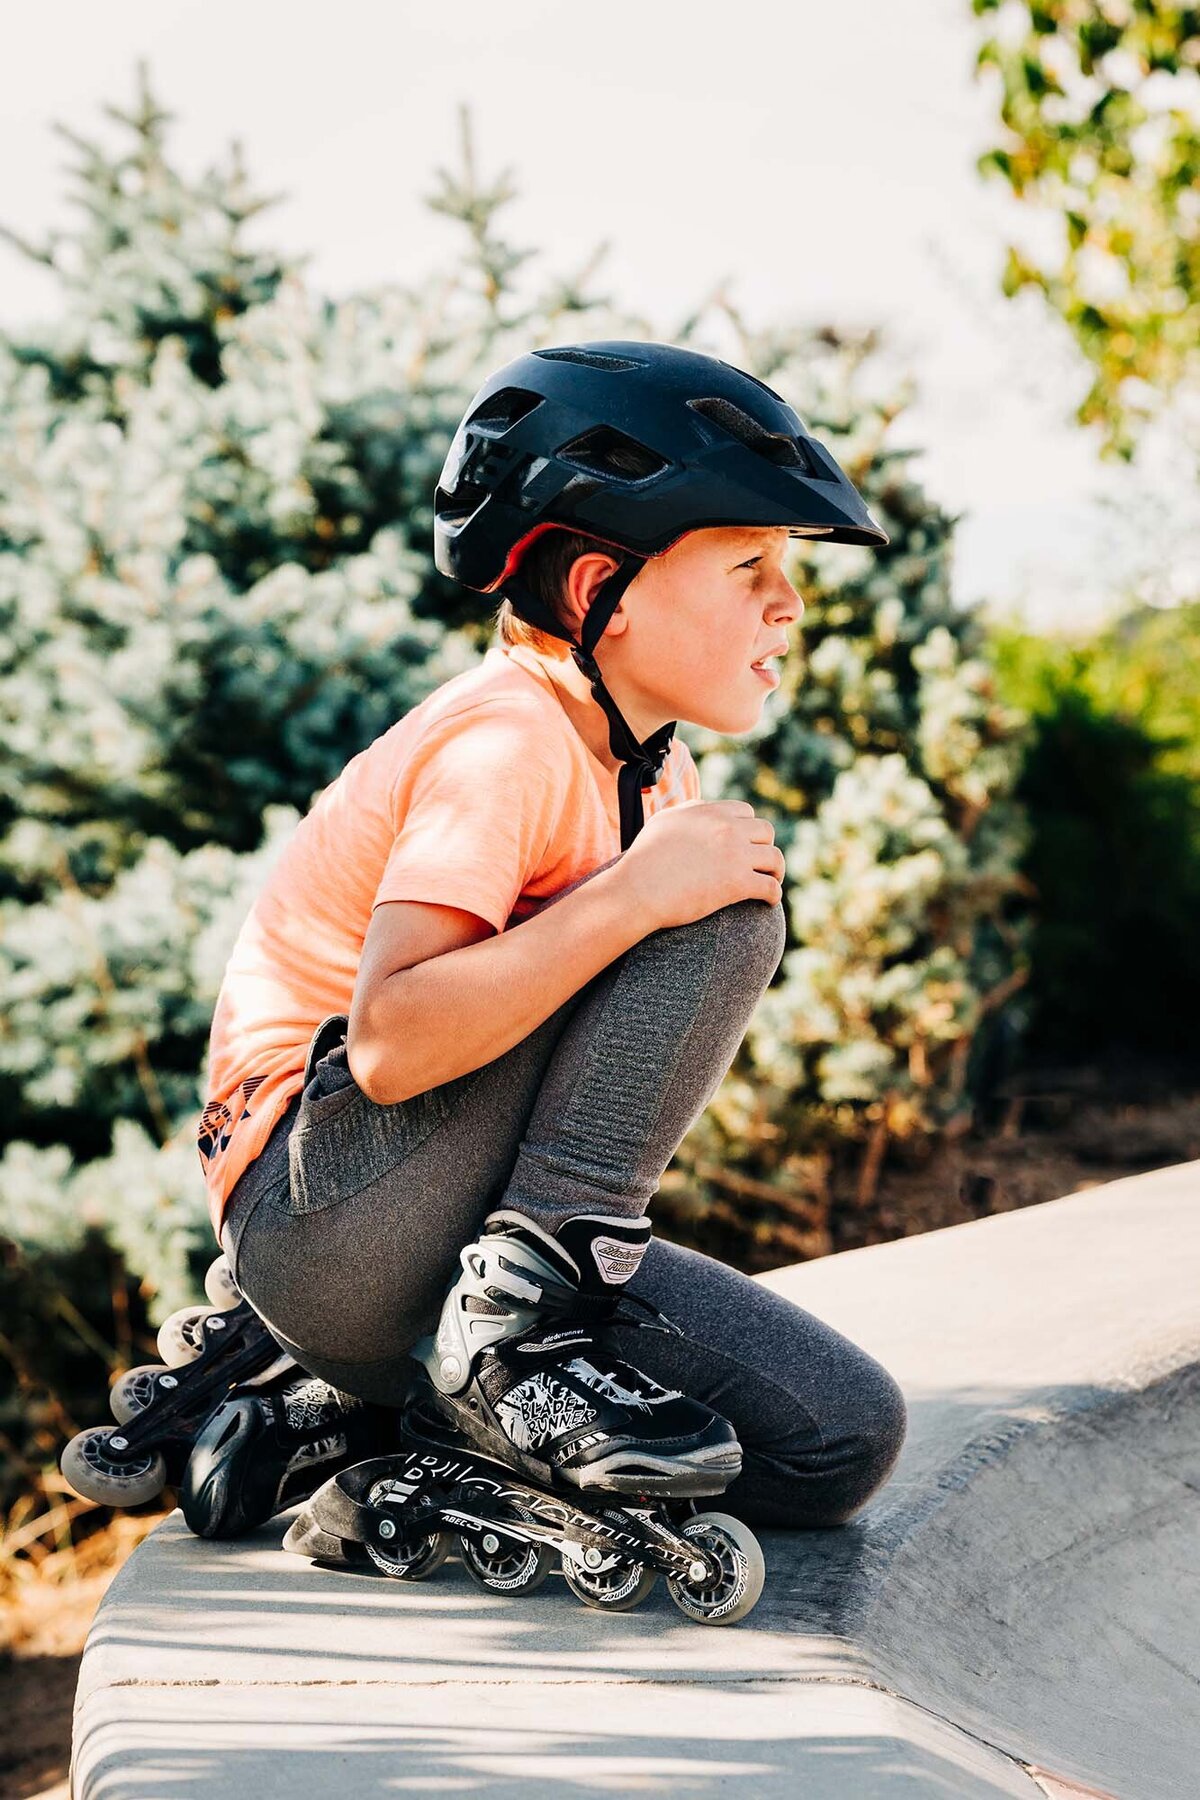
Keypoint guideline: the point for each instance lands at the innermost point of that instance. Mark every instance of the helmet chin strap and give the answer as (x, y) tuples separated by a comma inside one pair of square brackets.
[(641, 763)]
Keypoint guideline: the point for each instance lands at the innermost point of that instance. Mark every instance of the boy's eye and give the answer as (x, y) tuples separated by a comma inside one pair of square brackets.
[(752, 561)]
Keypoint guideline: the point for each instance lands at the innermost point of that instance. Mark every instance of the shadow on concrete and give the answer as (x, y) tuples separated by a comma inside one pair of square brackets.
[(1058, 1551), (1022, 1595), (329, 1753)]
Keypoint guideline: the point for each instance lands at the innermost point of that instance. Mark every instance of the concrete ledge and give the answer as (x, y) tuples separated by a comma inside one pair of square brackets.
[(1017, 1612)]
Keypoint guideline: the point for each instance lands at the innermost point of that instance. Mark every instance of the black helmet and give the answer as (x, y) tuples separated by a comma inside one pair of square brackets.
[(634, 444)]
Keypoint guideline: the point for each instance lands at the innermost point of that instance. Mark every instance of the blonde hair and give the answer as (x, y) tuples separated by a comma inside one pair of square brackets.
[(544, 569)]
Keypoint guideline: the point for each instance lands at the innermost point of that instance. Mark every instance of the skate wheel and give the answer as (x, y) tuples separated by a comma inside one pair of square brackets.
[(408, 1563), (742, 1570), (501, 1564), (616, 1589), (134, 1391), (96, 1473), (181, 1336), (429, 1554), (219, 1284)]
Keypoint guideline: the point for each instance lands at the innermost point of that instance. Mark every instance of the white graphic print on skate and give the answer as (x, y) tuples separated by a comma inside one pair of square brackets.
[(539, 1409), (612, 1389), (308, 1404)]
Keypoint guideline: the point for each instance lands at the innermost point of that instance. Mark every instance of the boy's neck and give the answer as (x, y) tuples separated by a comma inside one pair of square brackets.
[(581, 707)]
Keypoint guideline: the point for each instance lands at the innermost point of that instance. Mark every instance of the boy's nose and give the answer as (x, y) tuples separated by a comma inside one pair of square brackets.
[(787, 602)]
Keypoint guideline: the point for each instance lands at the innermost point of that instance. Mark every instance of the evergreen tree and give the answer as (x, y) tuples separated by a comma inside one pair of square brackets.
[(216, 587), (208, 602)]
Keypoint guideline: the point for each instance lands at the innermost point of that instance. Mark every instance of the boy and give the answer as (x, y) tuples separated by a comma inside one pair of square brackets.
[(461, 1165)]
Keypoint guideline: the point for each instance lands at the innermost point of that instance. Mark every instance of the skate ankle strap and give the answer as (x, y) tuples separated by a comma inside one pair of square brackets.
[(620, 1308), (657, 1321)]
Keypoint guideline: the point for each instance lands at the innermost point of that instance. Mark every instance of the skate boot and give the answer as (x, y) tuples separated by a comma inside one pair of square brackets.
[(266, 1447), (521, 1364), (524, 1435), (160, 1407)]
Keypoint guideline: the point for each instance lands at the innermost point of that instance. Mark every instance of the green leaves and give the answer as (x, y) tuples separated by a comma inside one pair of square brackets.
[(1098, 125)]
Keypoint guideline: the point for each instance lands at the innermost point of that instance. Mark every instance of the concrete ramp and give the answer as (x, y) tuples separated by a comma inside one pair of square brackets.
[(1016, 1613), (1053, 1605)]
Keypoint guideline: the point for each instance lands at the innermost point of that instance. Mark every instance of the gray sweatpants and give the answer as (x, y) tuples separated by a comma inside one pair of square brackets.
[(345, 1232)]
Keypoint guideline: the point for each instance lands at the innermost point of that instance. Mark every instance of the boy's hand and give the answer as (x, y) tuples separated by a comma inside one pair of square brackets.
[(691, 859)]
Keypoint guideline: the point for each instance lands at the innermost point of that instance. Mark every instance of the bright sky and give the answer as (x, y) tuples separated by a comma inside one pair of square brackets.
[(820, 158)]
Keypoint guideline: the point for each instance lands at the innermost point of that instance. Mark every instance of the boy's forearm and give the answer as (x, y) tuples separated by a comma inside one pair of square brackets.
[(450, 1014)]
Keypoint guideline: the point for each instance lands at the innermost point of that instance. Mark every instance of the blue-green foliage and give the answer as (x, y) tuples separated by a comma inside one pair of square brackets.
[(216, 587)]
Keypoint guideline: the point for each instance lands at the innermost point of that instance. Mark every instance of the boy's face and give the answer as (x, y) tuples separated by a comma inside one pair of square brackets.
[(687, 630)]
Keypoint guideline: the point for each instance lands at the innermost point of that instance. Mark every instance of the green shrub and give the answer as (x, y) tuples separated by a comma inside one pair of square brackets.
[(1112, 784)]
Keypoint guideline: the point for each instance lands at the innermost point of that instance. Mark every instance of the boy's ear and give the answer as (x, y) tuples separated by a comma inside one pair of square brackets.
[(585, 578)]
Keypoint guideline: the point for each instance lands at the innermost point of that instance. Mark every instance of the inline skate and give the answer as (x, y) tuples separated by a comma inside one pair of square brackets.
[(523, 1436), (262, 1431)]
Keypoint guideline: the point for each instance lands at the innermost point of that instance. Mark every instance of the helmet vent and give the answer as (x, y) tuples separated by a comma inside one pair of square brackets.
[(591, 359), (458, 505), (505, 407), (784, 452), (604, 451)]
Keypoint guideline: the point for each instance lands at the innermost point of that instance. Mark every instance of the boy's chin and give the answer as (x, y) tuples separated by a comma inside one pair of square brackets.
[(730, 721)]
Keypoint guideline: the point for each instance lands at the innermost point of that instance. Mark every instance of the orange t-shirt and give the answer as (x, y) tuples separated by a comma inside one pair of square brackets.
[(484, 797)]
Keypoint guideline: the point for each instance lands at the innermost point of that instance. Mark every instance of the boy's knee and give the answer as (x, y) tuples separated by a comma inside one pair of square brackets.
[(879, 1440), (755, 931), (858, 1453), (889, 1426)]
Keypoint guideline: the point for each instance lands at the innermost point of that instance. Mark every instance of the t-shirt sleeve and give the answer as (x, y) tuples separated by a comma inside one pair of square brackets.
[(475, 808)]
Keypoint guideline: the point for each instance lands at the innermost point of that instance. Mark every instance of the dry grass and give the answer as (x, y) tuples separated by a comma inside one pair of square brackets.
[(54, 1544), (57, 1557)]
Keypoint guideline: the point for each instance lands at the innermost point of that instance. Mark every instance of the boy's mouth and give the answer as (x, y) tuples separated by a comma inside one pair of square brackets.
[(764, 664)]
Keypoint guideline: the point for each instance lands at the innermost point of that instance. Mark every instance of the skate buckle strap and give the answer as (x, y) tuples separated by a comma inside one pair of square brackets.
[(607, 1309), (658, 1322)]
